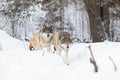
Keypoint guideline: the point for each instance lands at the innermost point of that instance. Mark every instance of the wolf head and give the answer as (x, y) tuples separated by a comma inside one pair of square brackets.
[(66, 40), (47, 31)]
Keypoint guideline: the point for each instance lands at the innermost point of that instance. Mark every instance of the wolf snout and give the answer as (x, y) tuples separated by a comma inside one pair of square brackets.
[(67, 46), (48, 35)]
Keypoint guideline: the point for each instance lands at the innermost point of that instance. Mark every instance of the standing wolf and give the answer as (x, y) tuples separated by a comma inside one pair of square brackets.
[(42, 39), (62, 41)]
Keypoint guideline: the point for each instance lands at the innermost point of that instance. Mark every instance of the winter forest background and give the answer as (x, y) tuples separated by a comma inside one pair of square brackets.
[(85, 20)]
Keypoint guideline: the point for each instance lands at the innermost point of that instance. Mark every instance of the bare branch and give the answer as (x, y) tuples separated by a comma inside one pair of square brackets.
[(92, 59), (115, 67)]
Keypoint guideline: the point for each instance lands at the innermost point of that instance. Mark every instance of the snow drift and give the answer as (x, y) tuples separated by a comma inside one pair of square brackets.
[(18, 63)]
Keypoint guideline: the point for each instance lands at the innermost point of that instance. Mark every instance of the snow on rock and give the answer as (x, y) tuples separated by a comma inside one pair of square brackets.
[(18, 63)]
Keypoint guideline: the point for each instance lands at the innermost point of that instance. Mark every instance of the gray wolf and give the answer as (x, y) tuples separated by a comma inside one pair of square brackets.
[(62, 41), (42, 39)]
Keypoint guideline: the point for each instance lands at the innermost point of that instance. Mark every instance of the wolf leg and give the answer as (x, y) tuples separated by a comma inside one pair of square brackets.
[(38, 40), (57, 50), (60, 50), (67, 57), (48, 49)]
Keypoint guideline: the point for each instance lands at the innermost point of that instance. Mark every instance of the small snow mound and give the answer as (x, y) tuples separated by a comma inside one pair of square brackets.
[(4, 35), (1, 46), (9, 43)]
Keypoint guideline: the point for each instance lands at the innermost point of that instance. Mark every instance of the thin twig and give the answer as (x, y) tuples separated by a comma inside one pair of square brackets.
[(92, 60), (115, 67)]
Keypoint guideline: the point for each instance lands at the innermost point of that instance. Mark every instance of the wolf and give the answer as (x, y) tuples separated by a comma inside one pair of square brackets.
[(42, 39), (62, 42)]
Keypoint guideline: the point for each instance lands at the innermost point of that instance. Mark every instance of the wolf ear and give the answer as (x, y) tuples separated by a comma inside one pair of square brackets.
[(44, 26), (51, 27), (71, 40), (62, 38), (62, 41)]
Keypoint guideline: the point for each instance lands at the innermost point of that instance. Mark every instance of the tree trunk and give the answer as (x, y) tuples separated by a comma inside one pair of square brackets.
[(13, 26), (61, 14), (97, 32), (104, 10)]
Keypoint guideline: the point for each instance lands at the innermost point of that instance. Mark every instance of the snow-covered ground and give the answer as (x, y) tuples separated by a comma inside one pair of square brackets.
[(18, 63)]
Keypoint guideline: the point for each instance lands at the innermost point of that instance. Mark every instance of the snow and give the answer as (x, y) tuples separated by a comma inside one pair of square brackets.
[(18, 63)]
